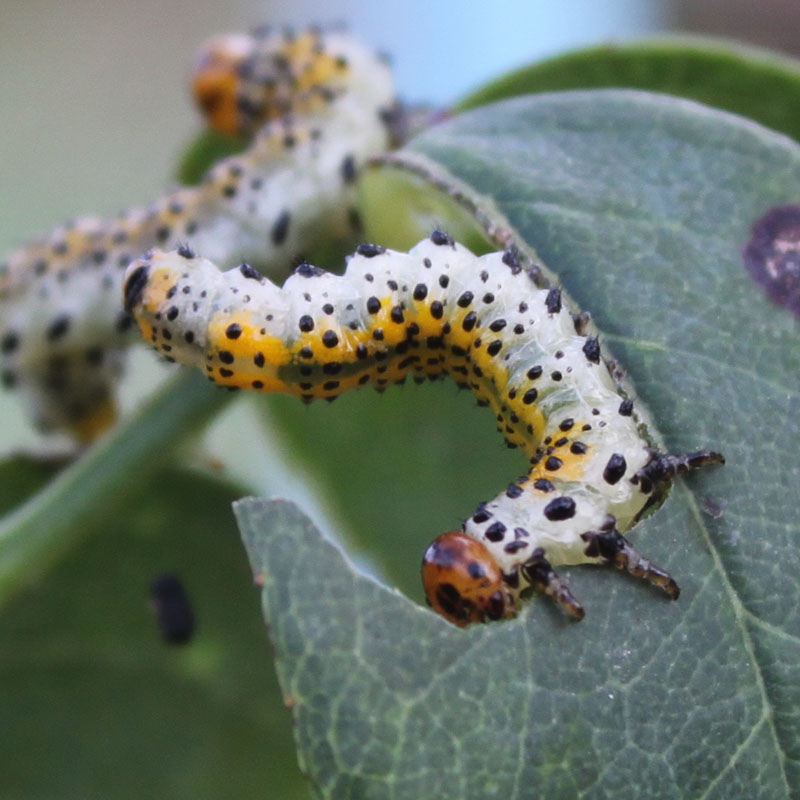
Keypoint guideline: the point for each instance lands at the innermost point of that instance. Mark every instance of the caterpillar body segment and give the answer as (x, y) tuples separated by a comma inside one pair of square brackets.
[(63, 331), (439, 310)]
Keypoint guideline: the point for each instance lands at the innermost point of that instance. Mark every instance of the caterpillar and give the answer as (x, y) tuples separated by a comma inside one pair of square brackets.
[(322, 102), (434, 311)]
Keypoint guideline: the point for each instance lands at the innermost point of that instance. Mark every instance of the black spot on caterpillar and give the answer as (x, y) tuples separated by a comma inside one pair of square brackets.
[(172, 609), (440, 310), (314, 102), (772, 256)]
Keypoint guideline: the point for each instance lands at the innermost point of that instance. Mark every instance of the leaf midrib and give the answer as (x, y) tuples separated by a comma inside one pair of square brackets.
[(740, 613)]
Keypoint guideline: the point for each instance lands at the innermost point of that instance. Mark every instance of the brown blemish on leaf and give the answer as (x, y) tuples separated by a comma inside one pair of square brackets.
[(772, 256)]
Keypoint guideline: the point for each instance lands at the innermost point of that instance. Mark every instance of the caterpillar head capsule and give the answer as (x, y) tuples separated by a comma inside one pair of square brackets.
[(215, 80), (463, 582)]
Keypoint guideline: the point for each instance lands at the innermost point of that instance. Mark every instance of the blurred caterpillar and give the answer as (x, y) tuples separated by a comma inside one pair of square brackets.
[(440, 310), (319, 103)]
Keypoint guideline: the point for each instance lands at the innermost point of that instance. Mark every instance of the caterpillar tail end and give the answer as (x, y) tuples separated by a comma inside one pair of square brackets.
[(150, 296)]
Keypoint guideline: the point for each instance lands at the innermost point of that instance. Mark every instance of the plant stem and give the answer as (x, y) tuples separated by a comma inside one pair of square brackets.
[(85, 494)]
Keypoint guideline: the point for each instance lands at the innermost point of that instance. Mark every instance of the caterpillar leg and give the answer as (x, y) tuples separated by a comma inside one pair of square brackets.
[(542, 576), (664, 467), (610, 544), (73, 391)]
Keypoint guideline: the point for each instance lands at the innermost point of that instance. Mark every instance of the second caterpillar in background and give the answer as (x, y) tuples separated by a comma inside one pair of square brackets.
[(318, 105), (440, 310)]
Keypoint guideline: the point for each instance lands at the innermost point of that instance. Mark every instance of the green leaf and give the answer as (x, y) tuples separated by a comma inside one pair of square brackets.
[(412, 442), (204, 151), (641, 205), (754, 83), (95, 704)]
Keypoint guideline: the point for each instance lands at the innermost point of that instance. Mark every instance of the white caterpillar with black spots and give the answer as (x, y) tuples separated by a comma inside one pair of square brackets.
[(320, 104), (439, 310)]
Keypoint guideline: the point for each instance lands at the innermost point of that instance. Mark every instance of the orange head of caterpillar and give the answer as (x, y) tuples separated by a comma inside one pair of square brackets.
[(463, 582), (216, 80)]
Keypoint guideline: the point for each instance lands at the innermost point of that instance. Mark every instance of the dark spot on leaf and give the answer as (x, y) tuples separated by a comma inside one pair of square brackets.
[(772, 256), (170, 603)]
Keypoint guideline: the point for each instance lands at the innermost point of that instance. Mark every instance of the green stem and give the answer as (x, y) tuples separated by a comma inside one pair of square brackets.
[(82, 497)]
